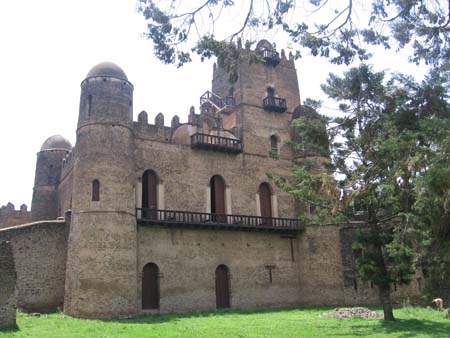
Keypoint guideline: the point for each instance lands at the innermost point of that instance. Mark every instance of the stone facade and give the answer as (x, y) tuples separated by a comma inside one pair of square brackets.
[(180, 218), (7, 286)]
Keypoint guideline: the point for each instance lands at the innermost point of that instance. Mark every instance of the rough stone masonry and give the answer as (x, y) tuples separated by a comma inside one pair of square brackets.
[(7, 286)]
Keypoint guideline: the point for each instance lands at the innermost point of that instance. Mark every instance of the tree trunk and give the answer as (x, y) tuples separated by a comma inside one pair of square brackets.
[(385, 298)]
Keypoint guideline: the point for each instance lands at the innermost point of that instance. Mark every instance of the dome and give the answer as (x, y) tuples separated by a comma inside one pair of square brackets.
[(56, 142), (107, 69)]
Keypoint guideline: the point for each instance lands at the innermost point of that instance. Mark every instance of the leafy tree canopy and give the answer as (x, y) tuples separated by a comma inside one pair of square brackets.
[(338, 30)]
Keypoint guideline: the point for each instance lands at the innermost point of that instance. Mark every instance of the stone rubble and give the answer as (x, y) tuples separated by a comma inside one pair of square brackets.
[(361, 312)]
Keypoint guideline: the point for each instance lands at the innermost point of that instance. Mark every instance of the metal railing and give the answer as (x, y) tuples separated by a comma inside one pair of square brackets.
[(214, 142), (276, 104), (210, 220), (218, 101)]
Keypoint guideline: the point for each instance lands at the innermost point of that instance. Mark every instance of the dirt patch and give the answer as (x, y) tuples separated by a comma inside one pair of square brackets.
[(360, 312)]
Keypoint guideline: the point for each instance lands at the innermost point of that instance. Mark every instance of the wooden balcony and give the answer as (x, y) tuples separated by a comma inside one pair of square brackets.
[(216, 143), (274, 104), (189, 219)]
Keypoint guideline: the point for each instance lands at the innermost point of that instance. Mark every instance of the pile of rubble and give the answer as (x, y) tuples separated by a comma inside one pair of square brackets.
[(361, 312)]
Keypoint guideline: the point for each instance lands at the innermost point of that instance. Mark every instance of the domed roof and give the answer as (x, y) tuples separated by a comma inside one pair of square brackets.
[(107, 69), (56, 142)]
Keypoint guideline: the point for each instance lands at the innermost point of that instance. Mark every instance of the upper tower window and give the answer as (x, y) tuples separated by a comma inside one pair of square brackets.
[(89, 105), (96, 190), (273, 146)]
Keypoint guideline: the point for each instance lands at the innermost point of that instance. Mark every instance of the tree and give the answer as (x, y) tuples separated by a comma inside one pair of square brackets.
[(331, 29), (390, 149)]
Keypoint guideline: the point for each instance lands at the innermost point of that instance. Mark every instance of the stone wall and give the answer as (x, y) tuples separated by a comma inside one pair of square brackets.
[(187, 260), (10, 217), (320, 266), (40, 259), (7, 286), (65, 190)]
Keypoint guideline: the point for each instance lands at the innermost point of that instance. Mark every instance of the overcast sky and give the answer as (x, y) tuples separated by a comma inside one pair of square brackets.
[(48, 47)]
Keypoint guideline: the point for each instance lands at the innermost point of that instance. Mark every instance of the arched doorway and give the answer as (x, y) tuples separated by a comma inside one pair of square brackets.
[(150, 286), (222, 287), (149, 194), (217, 185), (265, 203)]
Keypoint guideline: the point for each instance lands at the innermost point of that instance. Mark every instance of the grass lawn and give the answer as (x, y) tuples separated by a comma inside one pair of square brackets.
[(301, 322)]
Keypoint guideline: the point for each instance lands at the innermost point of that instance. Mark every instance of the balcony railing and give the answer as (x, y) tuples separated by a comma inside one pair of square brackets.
[(275, 104), (216, 221), (222, 103), (216, 143)]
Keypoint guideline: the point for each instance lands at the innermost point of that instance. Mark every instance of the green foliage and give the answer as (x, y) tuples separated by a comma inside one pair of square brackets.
[(304, 322), (390, 149)]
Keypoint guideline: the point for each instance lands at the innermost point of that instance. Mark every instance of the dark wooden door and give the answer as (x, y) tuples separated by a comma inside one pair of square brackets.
[(149, 194), (222, 287), (218, 198), (265, 203), (150, 286)]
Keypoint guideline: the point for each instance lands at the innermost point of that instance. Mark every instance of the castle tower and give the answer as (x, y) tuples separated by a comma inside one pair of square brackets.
[(44, 205), (101, 276), (266, 94)]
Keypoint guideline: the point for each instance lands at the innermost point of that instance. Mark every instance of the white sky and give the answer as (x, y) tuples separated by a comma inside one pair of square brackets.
[(48, 46)]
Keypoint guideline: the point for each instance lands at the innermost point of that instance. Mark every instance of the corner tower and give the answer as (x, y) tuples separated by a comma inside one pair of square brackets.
[(44, 205), (101, 276), (266, 93)]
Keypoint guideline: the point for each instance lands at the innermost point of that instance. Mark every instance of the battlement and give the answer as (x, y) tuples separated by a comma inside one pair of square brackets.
[(9, 216)]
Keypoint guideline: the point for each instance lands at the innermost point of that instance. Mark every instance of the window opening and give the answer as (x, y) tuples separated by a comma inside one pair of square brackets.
[(95, 190)]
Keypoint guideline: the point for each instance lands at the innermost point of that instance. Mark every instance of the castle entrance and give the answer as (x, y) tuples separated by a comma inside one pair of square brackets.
[(150, 287), (222, 287)]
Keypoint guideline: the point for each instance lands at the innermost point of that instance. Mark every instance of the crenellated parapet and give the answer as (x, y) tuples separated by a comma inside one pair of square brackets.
[(9, 216), (154, 132)]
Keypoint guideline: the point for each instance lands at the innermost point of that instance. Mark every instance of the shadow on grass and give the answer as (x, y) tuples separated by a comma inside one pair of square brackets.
[(413, 327), (9, 329), (168, 317), (402, 328)]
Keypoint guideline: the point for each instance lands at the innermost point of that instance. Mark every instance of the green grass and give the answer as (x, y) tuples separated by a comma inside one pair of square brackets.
[(301, 322)]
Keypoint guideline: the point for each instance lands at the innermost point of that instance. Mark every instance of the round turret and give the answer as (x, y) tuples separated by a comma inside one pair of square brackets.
[(56, 142), (103, 208), (44, 205), (106, 96)]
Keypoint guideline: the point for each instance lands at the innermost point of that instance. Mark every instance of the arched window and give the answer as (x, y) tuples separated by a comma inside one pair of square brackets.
[(150, 286), (222, 287), (217, 185), (96, 190), (149, 194), (265, 203)]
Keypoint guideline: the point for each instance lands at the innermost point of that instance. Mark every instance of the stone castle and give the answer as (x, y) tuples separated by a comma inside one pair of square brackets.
[(145, 218)]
